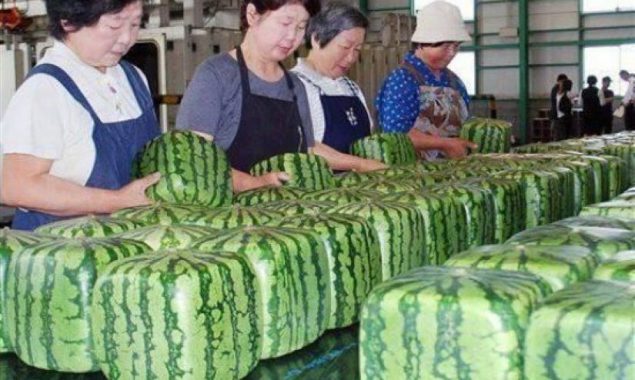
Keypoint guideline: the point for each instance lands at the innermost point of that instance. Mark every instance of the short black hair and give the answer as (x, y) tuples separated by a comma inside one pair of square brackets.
[(591, 79), (567, 85), (333, 19), (79, 13), (562, 77), (262, 6)]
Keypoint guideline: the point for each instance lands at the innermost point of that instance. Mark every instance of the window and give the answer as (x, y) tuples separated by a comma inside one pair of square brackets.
[(604, 61), (466, 7), (590, 6), (464, 66)]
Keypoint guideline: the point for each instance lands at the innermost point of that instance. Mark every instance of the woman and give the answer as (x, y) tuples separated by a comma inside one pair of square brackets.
[(628, 101), (338, 108), (591, 109), (564, 117), (423, 97), (606, 102), (248, 103), (72, 129)]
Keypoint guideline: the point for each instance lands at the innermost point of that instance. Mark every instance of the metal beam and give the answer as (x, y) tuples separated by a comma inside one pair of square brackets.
[(523, 59)]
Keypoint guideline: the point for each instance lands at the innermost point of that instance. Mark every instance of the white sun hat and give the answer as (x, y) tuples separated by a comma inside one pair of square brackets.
[(439, 21)]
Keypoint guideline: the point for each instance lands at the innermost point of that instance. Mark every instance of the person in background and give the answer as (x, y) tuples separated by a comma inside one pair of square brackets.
[(628, 101), (591, 110), (249, 104), (606, 103), (338, 108), (73, 128), (564, 110), (553, 115), (422, 97)]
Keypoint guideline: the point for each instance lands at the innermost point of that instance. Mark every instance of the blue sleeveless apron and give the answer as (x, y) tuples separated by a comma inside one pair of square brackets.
[(345, 117), (116, 144)]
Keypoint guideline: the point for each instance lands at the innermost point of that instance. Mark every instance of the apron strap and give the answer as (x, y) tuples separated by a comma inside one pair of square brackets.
[(414, 72), (139, 88)]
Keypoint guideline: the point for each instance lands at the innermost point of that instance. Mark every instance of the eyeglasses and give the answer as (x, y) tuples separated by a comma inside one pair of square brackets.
[(446, 45)]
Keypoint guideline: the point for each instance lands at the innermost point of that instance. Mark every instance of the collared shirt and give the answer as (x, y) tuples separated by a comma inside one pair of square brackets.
[(629, 95), (45, 121), (341, 86), (397, 102)]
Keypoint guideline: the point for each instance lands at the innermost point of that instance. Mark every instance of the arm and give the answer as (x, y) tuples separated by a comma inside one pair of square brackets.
[(28, 184), (342, 161), (452, 146), (628, 95), (398, 102)]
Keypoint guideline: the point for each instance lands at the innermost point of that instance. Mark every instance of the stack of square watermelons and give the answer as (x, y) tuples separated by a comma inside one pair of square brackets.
[(461, 269)]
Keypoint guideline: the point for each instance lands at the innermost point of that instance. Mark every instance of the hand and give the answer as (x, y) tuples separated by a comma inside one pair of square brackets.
[(365, 165), (455, 147), (134, 193), (273, 179)]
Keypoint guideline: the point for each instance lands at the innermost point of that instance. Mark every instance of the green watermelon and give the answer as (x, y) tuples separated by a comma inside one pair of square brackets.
[(441, 216), (509, 203), (162, 237), (597, 221), (617, 208), (177, 315), (559, 266), (389, 148), (620, 267), (342, 196), (158, 213), (88, 226), (297, 206), (267, 194), (391, 185), (352, 249), (448, 323), (49, 311), (292, 269), (306, 171), (193, 171), (603, 242), (354, 179), (400, 228), (479, 208), (542, 194), (232, 216), (12, 242), (491, 135), (583, 332)]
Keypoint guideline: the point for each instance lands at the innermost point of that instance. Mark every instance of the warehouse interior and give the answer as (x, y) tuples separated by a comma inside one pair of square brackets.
[(517, 50)]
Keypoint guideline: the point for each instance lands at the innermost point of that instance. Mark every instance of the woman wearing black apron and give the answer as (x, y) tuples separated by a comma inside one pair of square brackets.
[(338, 109), (73, 128), (247, 102)]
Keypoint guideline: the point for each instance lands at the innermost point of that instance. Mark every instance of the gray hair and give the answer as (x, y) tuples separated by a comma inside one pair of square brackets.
[(333, 19)]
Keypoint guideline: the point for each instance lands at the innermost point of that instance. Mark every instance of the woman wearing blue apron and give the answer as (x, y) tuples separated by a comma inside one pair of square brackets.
[(248, 103), (338, 108), (73, 128)]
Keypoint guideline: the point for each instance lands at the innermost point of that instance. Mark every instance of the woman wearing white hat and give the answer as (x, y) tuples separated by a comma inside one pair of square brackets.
[(423, 97)]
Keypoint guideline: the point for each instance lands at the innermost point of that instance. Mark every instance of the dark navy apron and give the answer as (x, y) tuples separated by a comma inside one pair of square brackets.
[(116, 144), (268, 126), (345, 118)]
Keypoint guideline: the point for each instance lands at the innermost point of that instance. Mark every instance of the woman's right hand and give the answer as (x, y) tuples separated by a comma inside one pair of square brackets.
[(455, 147), (273, 179), (134, 193)]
